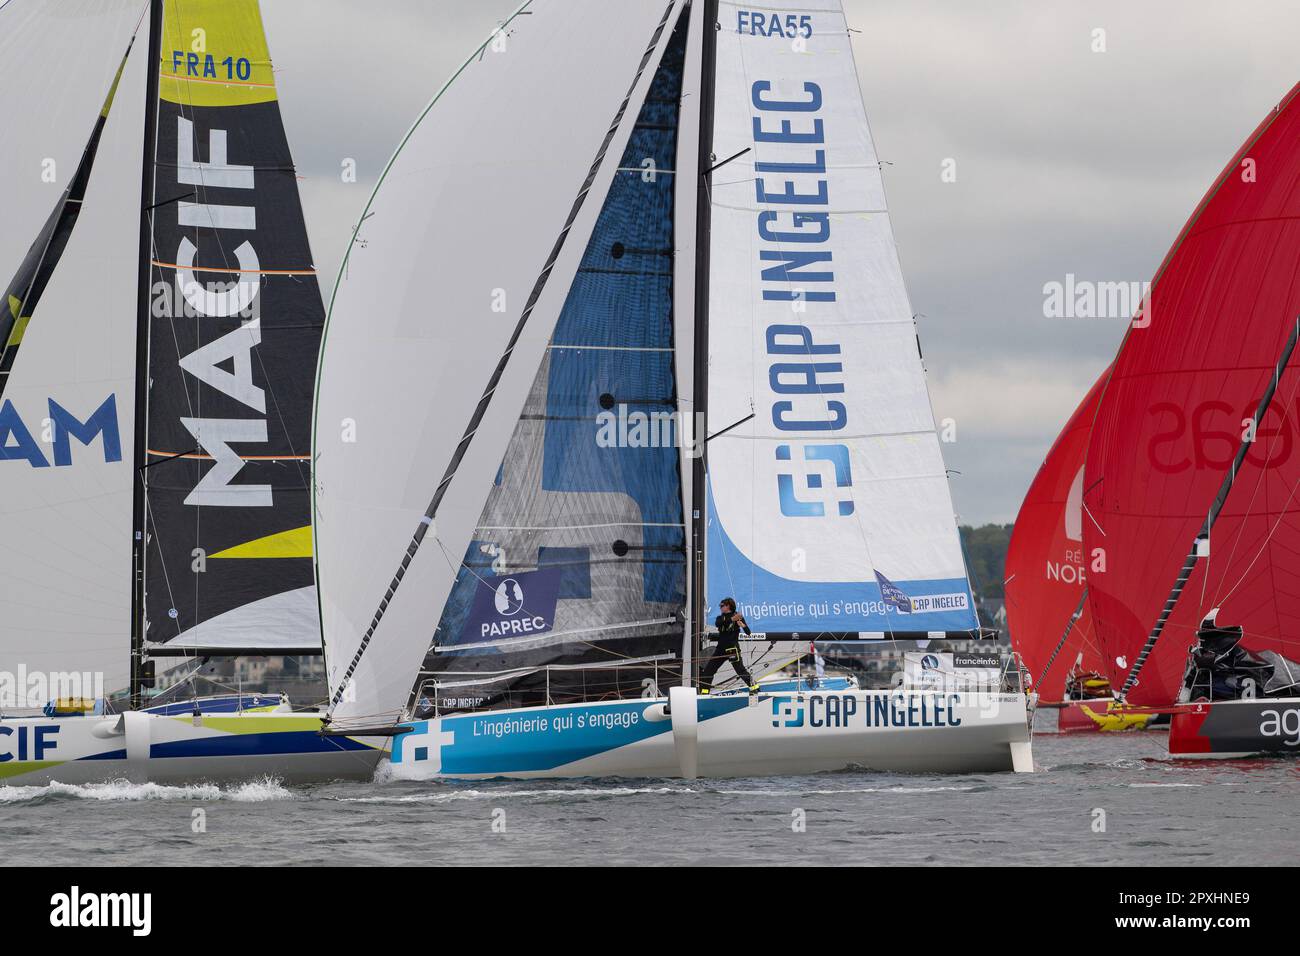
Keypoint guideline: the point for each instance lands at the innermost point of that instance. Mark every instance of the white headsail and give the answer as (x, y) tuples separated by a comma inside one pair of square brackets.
[(67, 407), (440, 320), (830, 508)]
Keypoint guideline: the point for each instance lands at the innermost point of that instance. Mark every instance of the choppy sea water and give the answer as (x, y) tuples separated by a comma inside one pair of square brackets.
[(1156, 811)]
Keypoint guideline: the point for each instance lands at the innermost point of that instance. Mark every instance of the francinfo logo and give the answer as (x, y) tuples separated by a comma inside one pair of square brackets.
[(76, 909)]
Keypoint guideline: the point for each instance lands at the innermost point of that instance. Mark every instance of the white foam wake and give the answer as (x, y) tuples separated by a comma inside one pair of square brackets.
[(124, 791)]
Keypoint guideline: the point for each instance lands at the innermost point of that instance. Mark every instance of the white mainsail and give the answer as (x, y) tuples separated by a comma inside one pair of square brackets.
[(835, 490), (48, 111), (65, 475), (459, 268)]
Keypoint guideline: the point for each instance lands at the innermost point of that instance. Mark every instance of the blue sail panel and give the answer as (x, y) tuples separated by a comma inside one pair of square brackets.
[(579, 558)]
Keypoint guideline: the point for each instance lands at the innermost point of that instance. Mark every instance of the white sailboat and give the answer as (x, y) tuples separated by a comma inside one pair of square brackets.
[(156, 349), (623, 331)]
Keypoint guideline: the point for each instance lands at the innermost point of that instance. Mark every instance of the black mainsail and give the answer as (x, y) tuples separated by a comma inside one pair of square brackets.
[(233, 335)]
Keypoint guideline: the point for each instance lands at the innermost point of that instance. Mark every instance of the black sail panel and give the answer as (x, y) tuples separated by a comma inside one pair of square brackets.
[(234, 331)]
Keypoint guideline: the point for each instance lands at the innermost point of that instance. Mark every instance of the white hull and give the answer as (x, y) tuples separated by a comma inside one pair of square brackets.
[(769, 734), (150, 748)]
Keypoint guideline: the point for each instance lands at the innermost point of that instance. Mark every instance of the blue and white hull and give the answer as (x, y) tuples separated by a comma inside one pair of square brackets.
[(767, 734)]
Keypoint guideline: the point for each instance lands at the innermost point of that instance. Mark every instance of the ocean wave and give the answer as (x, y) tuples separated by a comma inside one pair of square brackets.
[(454, 794), (443, 796), (124, 791)]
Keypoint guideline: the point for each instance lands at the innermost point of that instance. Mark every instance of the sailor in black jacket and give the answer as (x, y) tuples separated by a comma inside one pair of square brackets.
[(729, 624)]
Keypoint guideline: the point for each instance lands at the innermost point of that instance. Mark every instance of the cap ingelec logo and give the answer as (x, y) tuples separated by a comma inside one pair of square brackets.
[(838, 456), (787, 712), (929, 663), (509, 597)]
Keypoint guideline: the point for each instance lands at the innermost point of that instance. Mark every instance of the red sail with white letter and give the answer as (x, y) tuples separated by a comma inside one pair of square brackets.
[(1178, 404)]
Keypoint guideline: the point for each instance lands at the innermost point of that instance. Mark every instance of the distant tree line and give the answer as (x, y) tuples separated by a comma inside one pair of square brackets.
[(986, 557)]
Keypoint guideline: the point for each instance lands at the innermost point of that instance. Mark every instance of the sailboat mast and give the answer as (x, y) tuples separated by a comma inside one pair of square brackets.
[(1194, 555), (147, 199), (699, 468)]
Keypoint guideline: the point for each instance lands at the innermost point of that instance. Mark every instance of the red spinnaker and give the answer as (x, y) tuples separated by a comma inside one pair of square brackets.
[(1046, 570), (1173, 413)]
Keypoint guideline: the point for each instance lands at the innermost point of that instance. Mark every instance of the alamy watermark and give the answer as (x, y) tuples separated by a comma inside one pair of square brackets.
[(24, 689), (620, 427), (1084, 299)]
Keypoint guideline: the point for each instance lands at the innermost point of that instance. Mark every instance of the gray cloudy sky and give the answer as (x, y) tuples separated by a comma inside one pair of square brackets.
[(1068, 161)]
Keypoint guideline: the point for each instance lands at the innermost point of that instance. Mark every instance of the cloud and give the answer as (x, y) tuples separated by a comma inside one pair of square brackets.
[(1002, 410), (1067, 161)]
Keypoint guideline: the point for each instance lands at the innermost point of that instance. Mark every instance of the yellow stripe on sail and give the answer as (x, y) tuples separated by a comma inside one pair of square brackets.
[(16, 336), (117, 78), (285, 544), (214, 53), (20, 322)]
